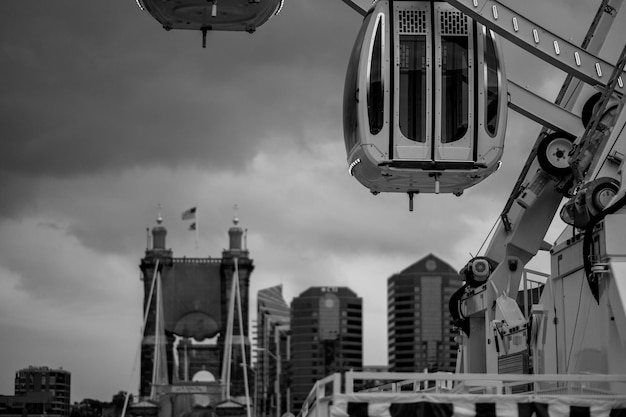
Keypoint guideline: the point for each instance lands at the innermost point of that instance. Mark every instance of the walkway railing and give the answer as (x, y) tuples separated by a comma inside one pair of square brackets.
[(327, 399), (318, 400)]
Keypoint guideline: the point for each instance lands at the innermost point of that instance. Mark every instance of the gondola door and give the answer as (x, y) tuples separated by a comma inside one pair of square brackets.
[(412, 130), (454, 85)]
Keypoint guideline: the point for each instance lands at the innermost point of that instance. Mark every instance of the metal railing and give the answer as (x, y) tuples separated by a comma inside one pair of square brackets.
[(320, 396), (577, 387)]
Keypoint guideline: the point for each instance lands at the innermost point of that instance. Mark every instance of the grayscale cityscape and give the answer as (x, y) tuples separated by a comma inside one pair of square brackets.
[(313, 208)]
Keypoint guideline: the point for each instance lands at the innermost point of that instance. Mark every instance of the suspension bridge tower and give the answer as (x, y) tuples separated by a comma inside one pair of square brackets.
[(195, 334)]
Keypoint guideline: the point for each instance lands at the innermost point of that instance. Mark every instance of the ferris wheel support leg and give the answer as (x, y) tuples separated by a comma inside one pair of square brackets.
[(490, 308)]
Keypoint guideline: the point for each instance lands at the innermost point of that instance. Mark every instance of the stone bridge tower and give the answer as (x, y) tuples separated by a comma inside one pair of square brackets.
[(195, 296)]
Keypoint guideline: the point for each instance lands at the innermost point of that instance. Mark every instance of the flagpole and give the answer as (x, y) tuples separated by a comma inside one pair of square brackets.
[(192, 214), (197, 233)]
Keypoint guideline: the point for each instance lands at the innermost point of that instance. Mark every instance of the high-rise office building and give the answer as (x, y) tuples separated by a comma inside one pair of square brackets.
[(36, 381), (272, 355), (419, 323), (326, 337)]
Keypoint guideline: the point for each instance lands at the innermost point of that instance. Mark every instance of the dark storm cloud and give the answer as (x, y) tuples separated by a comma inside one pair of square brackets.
[(96, 85), (100, 87)]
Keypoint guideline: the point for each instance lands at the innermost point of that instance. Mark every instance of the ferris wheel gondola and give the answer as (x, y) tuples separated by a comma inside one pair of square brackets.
[(212, 15), (425, 104)]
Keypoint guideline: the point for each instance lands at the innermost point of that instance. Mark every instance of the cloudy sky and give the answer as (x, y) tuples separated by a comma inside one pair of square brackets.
[(104, 116)]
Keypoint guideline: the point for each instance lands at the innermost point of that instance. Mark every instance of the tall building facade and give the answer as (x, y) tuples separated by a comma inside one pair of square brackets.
[(192, 303), (420, 329), (37, 382), (273, 355), (326, 337)]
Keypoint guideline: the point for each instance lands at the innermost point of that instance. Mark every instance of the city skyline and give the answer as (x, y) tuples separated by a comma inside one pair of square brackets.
[(105, 116)]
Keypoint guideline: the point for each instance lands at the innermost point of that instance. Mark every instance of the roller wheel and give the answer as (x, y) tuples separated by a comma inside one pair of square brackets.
[(553, 154), (587, 112), (601, 194), (477, 271)]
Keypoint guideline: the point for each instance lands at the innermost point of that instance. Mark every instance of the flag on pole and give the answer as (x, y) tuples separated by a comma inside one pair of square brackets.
[(192, 215), (189, 214)]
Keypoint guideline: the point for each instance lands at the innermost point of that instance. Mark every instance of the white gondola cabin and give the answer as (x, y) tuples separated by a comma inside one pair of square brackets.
[(425, 101), (205, 15)]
